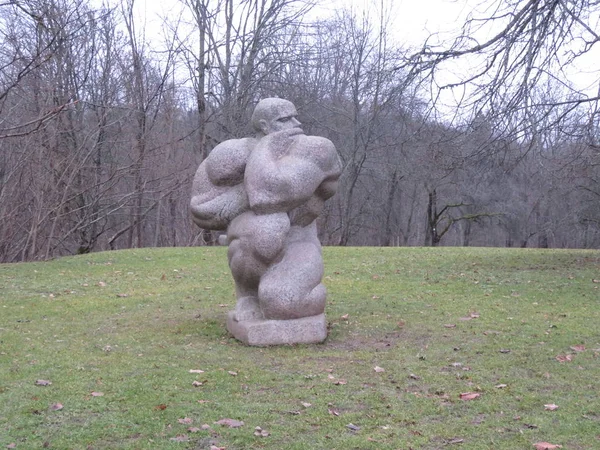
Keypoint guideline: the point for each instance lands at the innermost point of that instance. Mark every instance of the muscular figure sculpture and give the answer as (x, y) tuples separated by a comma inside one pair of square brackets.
[(267, 192)]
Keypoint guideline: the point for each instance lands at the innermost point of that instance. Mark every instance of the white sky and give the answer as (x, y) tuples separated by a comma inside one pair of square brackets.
[(410, 23), (412, 20)]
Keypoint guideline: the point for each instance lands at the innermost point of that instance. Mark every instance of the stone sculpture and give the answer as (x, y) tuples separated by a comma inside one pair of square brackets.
[(267, 192)]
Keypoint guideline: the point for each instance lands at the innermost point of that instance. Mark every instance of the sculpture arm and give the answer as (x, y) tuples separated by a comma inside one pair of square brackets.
[(214, 207), (226, 164)]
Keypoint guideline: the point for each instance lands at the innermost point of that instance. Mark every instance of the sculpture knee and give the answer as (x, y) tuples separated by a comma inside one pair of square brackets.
[(285, 302)]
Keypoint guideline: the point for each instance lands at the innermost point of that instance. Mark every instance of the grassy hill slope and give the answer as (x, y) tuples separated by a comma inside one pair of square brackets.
[(117, 334)]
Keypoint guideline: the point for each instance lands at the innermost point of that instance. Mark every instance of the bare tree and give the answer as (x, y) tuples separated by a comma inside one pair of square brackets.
[(514, 50)]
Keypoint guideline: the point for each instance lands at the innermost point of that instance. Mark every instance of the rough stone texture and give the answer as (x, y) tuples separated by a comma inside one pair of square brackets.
[(267, 192), (307, 330)]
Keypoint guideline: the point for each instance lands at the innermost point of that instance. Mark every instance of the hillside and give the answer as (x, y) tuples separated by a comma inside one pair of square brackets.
[(428, 347)]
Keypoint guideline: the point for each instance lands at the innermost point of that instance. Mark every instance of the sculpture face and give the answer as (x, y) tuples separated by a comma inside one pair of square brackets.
[(274, 114), (285, 120)]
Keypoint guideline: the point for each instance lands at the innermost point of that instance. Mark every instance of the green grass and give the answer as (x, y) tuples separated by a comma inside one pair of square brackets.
[(131, 325)]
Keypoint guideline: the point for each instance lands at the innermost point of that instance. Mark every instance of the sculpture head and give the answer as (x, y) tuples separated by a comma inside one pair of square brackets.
[(274, 114)]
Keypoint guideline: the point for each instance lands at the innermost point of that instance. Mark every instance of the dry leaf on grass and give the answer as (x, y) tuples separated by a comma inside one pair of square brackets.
[(43, 382), (546, 446), (551, 407), (97, 394), (473, 315), (231, 423), (469, 396), (258, 431), (378, 369), (564, 358), (186, 421), (196, 371), (56, 406), (578, 348), (194, 429)]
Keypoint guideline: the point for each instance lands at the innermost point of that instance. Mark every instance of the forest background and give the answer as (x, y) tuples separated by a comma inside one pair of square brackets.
[(485, 138)]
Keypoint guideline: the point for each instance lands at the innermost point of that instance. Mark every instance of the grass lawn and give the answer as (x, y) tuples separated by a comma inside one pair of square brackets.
[(96, 352)]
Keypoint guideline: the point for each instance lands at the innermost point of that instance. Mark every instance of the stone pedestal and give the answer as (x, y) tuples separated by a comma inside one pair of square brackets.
[(307, 330)]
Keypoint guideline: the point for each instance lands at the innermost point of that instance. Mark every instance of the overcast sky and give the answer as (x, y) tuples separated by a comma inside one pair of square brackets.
[(412, 20), (410, 23)]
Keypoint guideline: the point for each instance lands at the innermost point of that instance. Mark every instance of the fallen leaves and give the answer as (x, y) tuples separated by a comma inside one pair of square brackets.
[(97, 394), (546, 446), (337, 382), (551, 407), (564, 358), (43, 382), (186, 421), (196, 371), (56, 406), (231, 423), (568, 357), (471, 316), (352, 427), (160, 407), (378, 369), (466, 396), (258, 431)]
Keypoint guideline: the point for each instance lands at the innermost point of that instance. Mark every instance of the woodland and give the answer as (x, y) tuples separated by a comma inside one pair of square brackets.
[(104, 121)]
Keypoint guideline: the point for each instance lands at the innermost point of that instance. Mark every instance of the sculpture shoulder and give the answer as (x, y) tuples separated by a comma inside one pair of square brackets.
[(226, 163), (321, 151)]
